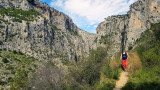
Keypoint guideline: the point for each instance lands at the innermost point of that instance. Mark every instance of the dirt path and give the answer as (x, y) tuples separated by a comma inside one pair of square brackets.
[(122, 80), (134, 63)]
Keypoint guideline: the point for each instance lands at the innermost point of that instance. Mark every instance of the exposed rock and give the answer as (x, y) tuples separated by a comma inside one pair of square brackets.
[(49, 35), (124, 30)]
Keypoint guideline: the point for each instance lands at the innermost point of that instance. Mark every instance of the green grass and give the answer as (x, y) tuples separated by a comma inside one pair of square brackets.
[(149, 53), (19, 15), (19, 66)]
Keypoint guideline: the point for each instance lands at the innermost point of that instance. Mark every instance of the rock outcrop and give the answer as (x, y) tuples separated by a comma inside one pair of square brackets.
[(124, 30)]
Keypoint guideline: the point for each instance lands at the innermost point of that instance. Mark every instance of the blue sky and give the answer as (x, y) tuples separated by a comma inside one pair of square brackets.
[(87, 14)]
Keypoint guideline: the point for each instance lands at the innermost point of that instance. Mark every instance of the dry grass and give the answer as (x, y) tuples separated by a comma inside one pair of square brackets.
[(116, 62), (134, 62)]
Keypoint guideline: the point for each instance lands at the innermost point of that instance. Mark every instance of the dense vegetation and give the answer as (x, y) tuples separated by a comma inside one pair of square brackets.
[(149, 53), (18, 15), (22, 72), (96, 71), (16, 68)]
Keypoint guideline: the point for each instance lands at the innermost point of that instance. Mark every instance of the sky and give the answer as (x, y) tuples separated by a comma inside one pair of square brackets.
[(87, 14)]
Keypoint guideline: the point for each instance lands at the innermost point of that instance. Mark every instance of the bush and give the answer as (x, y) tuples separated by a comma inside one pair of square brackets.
[(29, 0), (2, 26), (10, 79), (48, 77), (2, 82), (19, 80), (105, 39), (5, 60), (10, 67), (88, 72), (130, 48), (20, 53), (1, 43), (14, 51), (111, 73), (75, 33)]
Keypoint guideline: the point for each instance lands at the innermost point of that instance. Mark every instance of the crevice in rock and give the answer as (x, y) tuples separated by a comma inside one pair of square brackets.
[(124, 38), (6, 34)]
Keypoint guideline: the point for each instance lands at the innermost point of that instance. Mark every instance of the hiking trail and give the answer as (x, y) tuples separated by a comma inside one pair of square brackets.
[(134, 63), (122, 80)]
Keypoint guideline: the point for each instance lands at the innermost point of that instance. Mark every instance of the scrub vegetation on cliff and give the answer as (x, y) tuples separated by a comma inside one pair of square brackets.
[(16, 69), (18, 15)]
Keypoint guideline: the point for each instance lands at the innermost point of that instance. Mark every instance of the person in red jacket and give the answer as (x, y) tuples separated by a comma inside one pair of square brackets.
[(124, 58)]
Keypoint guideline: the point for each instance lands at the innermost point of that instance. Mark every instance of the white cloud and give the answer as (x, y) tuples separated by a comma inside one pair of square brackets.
[(90, 12), (57, 3), (95, 26), (93, 10)]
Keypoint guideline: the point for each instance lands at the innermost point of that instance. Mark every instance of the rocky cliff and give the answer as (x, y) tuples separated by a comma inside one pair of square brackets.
[(45, 33), (40, 31), (124, 30)]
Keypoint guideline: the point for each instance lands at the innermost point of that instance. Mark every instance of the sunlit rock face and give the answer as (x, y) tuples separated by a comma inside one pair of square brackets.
[(124, 30)]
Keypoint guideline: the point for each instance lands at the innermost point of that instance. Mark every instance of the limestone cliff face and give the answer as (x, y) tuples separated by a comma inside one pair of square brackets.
[(124, 30), (46, 35)]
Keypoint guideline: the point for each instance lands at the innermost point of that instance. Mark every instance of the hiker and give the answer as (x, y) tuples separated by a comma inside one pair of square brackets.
[(124, 58)]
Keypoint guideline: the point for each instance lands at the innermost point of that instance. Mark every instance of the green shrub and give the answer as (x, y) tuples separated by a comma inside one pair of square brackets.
[(105, 39), (10, 67), (2, 82), (1, 43), (19, 80), (54, 27), (10, 79), (5, 60), (106, 86), (2, 26), (14, 51), (19, 15), (29, 0), (95, 40), (20, 53), (3, 20), (111, 73), (75, 33), (89, 72), (130, 48)]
